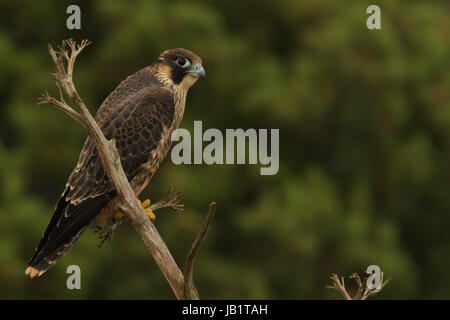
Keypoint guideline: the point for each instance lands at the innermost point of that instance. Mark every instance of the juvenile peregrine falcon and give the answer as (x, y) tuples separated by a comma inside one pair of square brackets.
[(140, 114)]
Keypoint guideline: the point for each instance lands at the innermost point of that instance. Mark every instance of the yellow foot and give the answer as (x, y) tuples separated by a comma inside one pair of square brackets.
[(148, 211), (146, 205)]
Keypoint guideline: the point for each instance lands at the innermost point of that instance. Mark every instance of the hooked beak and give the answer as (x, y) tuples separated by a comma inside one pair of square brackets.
[(197, 70)]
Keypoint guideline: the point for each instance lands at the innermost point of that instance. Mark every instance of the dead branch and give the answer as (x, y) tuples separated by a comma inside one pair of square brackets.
[(363, 291), (339, 286), (171, 200), (64, 60), (190, 290)]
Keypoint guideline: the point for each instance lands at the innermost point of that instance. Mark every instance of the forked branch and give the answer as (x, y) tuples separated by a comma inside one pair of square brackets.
[(363, 291)]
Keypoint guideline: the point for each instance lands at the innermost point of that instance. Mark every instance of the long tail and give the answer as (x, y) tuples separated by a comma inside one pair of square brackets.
[(66, 226)]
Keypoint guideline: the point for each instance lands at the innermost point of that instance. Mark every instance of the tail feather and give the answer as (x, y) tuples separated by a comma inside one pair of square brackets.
[(65, 227)]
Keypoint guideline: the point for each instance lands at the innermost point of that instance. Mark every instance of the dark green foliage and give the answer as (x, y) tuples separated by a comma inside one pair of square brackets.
[(364, 119)]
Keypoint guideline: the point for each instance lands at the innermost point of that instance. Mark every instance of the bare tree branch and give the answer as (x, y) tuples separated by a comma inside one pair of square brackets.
[(61, 105), (127, 201), (190, 290), (360, 284), (171, 200), (339, 286), (363, 291), (369, 292)]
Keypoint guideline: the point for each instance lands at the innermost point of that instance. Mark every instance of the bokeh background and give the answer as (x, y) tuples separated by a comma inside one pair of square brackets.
[(364, 119)]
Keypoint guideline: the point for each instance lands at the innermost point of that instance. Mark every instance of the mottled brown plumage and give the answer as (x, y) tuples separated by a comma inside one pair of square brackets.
[(140, 114)]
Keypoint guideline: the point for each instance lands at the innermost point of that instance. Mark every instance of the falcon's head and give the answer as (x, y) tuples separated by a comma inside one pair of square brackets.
[(179, 66)]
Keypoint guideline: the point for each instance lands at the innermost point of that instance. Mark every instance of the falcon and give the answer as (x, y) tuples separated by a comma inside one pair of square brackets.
[(140, 114)]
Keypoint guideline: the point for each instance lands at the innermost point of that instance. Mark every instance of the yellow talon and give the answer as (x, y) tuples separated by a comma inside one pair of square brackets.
[(145, 205), (150, 214), (148, 211)]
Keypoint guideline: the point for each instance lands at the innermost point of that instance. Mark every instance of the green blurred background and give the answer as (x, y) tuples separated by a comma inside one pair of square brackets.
[(364, 119)]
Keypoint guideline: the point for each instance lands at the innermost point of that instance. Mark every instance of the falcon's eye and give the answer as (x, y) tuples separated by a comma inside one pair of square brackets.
[(184, 63)]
